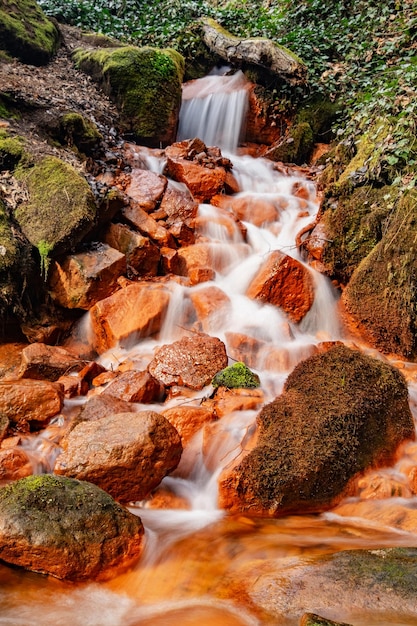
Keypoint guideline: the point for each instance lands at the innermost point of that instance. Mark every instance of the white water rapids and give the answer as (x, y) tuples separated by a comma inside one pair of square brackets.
[(197, 564)]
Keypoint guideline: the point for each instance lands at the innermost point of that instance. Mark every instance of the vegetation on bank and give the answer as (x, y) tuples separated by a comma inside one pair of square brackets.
[(361, 54)]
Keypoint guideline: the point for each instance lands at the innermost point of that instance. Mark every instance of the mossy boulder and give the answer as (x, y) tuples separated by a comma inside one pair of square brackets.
[(145, 84), (381, 297), (236, 376), (295, 147), (340, 413), (26, 33), (78, 132), (354, 224), (60, 209), (67, 528)]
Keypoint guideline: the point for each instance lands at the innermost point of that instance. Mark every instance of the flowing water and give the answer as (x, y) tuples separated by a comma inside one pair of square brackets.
[(201, 566)]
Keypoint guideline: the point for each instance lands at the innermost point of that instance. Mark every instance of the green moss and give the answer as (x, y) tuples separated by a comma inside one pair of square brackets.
[(382, 293), (8, 243), (11, 150), (312, 619), (391, 569), (236, 376), (25, 32), (79, 132), (145, 84), (61, 207), (354, 224), (295, 147)]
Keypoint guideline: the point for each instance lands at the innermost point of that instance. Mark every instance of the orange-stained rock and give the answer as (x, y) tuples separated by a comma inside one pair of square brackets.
[(178, 205), (10, 358), (284, 282), (145, 188), (224, 218), (248, 208), (264, 125), (244, 348), (188, 420), (73, 386), (141, 254), (14, 464), (199, 275), (183, 234), (196, 257), (211, 305), (170, 261), (202, 169), (315, 242), (80, 280), (134, 386), (47, 362), (126, 454), (226, 401), (133, 312), (30, 403), (164, 499), (138, 218), (380, 486), (192, 361), (90, 371)]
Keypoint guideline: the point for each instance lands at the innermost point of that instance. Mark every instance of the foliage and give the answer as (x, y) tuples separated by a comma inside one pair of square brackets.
[(362, 53)]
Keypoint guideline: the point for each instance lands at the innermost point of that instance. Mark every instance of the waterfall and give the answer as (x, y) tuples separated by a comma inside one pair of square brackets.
[(214, 110)]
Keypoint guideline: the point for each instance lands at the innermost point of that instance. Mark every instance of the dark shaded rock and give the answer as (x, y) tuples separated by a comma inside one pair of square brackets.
[(340, 413), (66, 528)]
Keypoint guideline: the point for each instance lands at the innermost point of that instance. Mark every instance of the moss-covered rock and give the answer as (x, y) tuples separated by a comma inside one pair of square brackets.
[(66, 528), (340, 413), (26, 33), (78, 132), (312, 619), (295, 147), (381, 296), (236, 376), (354, 224), (61, 208), (144, 83)]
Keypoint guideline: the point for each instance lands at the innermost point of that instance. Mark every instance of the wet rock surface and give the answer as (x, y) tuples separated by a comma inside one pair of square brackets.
[(66, 528), (190, 362), (126, 454)]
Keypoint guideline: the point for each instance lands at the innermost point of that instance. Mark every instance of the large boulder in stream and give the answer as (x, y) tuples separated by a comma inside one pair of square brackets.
[(126, 454), (340, 413), (66, 528), (144, 83)]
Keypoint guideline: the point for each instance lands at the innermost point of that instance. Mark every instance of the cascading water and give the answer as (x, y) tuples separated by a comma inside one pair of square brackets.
[(200, 566)]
